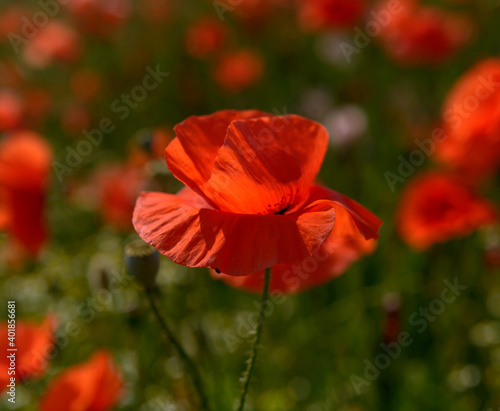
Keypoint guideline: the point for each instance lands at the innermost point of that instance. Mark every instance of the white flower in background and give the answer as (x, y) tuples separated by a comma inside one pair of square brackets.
[(345, 124), (328, 47), (315, 103)]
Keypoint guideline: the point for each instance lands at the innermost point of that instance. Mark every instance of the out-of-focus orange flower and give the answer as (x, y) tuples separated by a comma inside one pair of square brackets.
[(112, 190), (75, 118), (422, 35), (94, 385), (11, 21), (10, 74), (37, 103), (204, 37), (252, 12), (25, 159), (317, 15), (149, 145), (11, 110), (250, 201), (53, 42), (100, 17), (86, 84), (33, 343), (344, 246), (437, 207), (240, 70), (155, 11), (471, 120)]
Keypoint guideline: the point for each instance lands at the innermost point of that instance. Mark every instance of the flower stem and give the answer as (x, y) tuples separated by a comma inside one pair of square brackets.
[(190, 367), (247, 375)]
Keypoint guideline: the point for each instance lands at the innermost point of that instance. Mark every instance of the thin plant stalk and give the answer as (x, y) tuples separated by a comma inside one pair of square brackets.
[(247, 375), (190, 366)]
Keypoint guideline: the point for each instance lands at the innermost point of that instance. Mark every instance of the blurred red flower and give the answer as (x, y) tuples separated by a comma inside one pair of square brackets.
[(317, 15), (422, 35), (11, 21), (11, 110), (86, 84), (25, 159), (53, 42), (112, 190), (255, 12), (37, 104), (155, 11), (437, 207), (10, 74), (471, 120), (343, 246), (74, 118), (204, 37), (240, 70), (94, 385), (100, 17), (33, 343), (251, 201)]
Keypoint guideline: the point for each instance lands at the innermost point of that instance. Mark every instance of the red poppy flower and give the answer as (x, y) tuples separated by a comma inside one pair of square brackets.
[(204, 37), (112, 190), (53, 42), (95, 385), (422, 35), (74, 118), (33, 343), (251, 201), (11, 110), (254, 12), (100, 17), (11, 21), (25, 159), (437, 207), (471, 121), (37, 104), (237, 71), (342, 247), (324, 14), (86, 84), (10, 74)]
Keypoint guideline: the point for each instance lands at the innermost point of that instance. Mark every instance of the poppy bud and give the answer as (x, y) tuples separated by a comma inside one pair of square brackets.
[(142, 262), (391, 304)]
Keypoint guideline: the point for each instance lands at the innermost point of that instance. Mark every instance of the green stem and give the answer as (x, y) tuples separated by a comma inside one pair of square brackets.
[(247, 375), (190, 367)]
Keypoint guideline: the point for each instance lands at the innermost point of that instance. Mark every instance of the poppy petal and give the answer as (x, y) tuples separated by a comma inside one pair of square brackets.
[(266, 165), (236, 244), (437, 207), (111, 379), (94, 385), (191, 155), (367, 223), (343, 247), (24, 214), (25, 159)]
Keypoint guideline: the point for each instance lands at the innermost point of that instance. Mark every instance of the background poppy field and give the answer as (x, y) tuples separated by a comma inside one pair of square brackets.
[(103, 83)]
